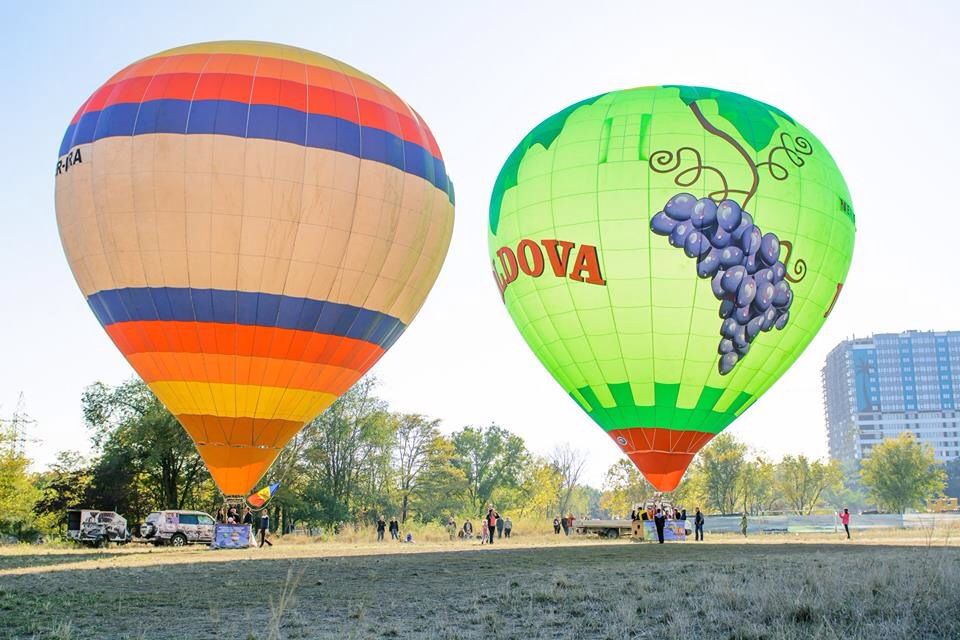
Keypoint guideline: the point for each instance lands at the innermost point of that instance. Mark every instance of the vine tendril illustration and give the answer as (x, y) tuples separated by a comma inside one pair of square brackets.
[(799, 267), (795, 149), (665, 161)]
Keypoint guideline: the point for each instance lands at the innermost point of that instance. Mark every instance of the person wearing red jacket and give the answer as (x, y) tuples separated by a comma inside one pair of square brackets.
[(492, 522), (845, 521)]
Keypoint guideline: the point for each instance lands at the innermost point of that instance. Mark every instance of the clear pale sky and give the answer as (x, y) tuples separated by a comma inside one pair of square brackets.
[(876, 82)]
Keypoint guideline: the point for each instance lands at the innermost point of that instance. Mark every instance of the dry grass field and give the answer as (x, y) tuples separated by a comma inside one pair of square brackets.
[(894, 584)]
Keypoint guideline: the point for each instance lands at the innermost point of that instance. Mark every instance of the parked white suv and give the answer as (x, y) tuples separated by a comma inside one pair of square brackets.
[(97, 528), (177, 528)]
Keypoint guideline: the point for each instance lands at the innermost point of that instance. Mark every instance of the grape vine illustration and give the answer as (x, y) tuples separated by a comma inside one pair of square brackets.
[(747, 275)]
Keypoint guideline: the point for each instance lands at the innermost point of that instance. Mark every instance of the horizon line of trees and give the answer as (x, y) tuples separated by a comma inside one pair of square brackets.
[(359, 459)]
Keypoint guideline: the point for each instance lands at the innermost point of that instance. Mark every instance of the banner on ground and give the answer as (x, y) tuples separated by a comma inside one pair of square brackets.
[(231, 536), (673, 531)]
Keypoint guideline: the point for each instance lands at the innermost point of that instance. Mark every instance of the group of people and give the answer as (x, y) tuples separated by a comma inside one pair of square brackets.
[(566, 523), (660, 514), (394, 527), (229, 515), (492, 523)]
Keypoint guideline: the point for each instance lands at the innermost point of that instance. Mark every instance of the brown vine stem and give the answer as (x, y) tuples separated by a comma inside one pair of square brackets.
[(736, 145)]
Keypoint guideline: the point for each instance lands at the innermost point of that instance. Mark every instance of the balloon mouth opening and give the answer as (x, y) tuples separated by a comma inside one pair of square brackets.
[(661, 455), (662, 469)]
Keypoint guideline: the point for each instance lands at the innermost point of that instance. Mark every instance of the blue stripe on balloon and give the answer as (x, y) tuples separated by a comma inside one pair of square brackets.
[(267, 122), (245, 308)]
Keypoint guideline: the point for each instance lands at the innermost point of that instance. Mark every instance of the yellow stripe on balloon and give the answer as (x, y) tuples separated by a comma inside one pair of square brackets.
[(270, 50), (241, 401)]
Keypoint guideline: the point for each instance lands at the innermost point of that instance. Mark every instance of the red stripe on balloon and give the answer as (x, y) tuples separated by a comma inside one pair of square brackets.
[(243, 340), (661, 455), (260, 90)]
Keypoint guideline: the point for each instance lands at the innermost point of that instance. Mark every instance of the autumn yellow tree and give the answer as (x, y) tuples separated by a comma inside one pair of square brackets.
[(623, 487)]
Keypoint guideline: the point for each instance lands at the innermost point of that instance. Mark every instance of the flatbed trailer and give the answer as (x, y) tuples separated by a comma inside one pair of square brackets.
[(612, 528)]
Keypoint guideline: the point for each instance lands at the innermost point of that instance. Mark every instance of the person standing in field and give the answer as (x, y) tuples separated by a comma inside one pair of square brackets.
[(570, 519), (556, 526), (492, 517), (467, 529), (394, 528), (743, 524), (845, 521), (451, 527), (507, 526), (565, 525), (499, 526), (659, 521), (264, 528), (381, 527), (698, 520), (485, 533)]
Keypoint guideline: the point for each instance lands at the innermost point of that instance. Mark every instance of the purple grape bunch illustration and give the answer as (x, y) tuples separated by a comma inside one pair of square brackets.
[(747, 276)]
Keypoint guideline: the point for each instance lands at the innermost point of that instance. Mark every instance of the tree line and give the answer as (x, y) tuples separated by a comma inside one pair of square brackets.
[(354, 462), (359, 460), (727, 478)]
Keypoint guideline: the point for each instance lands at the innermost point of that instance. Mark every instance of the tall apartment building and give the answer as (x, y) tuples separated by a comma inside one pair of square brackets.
[(881, 386)]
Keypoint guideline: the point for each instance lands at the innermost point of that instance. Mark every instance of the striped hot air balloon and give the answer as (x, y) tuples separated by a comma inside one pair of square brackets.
[(254, 225)]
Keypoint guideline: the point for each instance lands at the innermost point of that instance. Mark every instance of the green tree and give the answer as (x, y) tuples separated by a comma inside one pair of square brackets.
[(534, 493), (850, 494), (692, 490), (442, 488), (414, 436), (722, 462), (63, 486), (491, 458), (623, 487), (17, 492), (146, 460), (757, 487), (901, 474), (346, 456), (802, 482), (585, 501)]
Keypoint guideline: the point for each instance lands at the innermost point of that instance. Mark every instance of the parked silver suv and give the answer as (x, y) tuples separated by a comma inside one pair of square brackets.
[(177, 528)]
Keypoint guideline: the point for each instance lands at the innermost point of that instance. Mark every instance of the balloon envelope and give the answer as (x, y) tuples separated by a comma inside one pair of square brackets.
[(667, 253), (253, 225)]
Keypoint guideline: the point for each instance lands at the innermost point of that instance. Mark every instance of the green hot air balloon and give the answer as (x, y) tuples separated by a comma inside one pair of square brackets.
[(667, 253)]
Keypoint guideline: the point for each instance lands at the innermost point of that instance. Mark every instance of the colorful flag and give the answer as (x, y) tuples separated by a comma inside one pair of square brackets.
[(258, 499)]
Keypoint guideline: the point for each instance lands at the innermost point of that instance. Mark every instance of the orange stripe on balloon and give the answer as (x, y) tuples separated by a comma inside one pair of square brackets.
[(236, 469), (239, 432), (246, 65), (146, 336), (238, 451), (246, 370), (661, 455)]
